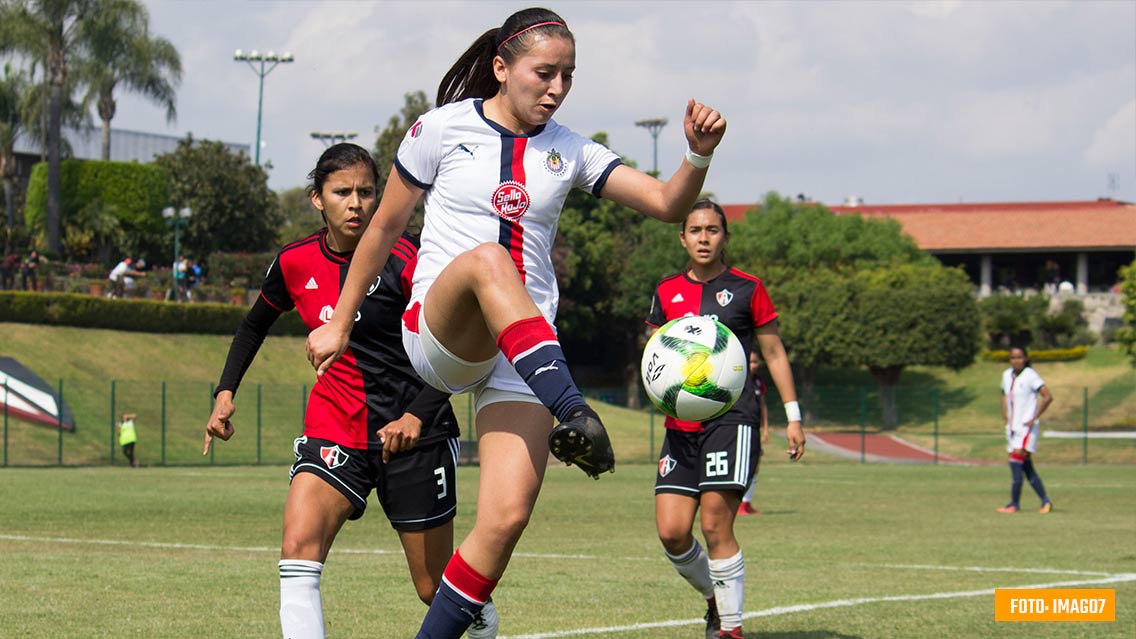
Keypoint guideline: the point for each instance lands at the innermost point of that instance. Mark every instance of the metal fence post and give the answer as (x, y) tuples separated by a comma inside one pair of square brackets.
[(59, 420), (1085, 425), (163, 422), (935, 403), (112, 422), (258, 424), (5, 423), (863, 424), (213, 448), (470, 436)]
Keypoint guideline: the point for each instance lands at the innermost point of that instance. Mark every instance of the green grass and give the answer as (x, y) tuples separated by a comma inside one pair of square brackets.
[(191, 552)]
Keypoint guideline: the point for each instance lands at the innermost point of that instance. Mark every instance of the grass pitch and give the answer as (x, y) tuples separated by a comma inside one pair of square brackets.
[(840, 551)]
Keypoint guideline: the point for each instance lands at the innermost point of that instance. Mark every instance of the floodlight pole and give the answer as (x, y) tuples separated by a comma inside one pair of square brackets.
[(654, 126), (261, 72)]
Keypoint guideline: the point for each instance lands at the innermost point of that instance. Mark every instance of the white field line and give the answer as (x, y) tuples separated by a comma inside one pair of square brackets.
[(839, 603), (524, 555)]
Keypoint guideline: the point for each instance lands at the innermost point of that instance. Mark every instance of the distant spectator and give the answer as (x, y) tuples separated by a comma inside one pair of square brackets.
[(122, 278), (28, 279), (180, 275), (8, 268), (127, 436)]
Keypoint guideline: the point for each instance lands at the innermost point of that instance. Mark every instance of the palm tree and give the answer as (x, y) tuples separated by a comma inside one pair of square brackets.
[(124, 55), (14, 88)]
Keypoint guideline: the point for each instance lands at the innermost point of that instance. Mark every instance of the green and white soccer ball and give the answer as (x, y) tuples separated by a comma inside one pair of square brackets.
[(694, 368)]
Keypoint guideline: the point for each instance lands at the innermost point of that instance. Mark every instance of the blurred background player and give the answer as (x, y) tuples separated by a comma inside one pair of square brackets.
[(495, 170), (707, 466), (371, 424), (1024, 398), (746, 507)]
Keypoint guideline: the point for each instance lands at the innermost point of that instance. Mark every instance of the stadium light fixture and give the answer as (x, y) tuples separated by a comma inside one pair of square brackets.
[(334, 137), (653, 126), (252, 58)]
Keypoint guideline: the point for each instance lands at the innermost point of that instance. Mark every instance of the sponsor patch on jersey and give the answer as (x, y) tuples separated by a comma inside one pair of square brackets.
[(311, 285), (724, 297), (510, 200), (415, 130), (554, 163), (666, 465), (325, 313), (333, 456)]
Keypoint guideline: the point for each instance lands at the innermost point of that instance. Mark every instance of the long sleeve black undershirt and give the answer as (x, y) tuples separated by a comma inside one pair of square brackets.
[(246, 342)]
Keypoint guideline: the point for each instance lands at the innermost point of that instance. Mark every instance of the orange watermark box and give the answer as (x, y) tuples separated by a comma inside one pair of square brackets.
[(1051, 604)]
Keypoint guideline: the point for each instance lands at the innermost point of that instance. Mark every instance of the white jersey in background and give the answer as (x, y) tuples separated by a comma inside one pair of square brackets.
[(1020, 392), (486, 184)]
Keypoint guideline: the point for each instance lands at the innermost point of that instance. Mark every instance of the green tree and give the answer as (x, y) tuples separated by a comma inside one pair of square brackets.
[(386, 146), (1127, 333), (123, 55), (233, 208), (299, 218), (912, 314)]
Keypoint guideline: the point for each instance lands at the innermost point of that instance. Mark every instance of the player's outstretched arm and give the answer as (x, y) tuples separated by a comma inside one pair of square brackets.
[(773, 352), (670, 201)]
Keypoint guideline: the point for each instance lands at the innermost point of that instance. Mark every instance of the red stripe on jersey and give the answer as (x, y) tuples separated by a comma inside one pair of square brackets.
[(518, 168), (337, 409), (401, 251), (410, 317), (516, 247), (269, 302)]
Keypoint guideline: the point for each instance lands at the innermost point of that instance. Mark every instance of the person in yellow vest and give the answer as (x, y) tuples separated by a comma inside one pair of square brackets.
[(127, 436)]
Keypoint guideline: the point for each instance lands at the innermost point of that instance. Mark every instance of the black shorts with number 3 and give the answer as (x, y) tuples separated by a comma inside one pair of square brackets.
[(417, 489), (723, 457)]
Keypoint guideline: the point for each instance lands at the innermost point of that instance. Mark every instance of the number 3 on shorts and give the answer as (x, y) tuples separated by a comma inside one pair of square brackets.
[(440, 471)]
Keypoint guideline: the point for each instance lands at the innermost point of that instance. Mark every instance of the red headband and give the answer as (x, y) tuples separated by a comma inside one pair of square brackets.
[(539, 24)]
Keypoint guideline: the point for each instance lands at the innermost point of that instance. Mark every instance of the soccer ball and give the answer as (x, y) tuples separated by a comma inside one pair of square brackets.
[(694, 368)]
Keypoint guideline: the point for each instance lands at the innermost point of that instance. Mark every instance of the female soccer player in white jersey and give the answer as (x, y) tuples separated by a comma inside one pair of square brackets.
[(707, 465), (1024, 398), (371, 423), (495, 169)]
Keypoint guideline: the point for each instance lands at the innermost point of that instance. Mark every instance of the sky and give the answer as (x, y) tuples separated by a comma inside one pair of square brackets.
[(892, 102)]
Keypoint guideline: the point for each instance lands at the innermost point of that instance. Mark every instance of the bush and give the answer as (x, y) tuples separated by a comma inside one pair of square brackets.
[(1050, 355), (243, 270), (146, 316)]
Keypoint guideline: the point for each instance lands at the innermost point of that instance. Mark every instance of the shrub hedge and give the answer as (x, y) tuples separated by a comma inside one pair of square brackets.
[(1050, 355), (146, 316)]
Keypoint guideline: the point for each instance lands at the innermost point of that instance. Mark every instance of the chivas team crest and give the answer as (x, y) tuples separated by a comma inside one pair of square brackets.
[(510, 200), (724, 297), (333, 456), (666, 465), (554, 163)]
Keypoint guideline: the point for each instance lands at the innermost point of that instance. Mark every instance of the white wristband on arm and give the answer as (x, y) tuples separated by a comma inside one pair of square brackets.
[(698, 161), (793, 411)]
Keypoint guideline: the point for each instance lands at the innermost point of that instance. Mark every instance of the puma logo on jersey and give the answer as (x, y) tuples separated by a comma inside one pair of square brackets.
[(545, 369), (311, 285), (462, 147), (677, 298)]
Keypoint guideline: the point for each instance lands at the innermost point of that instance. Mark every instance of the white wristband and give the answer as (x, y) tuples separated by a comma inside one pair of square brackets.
[(698, 161), (793, 411)]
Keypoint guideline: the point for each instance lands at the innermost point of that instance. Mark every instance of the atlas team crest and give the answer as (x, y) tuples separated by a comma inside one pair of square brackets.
[(333, 456), (666, 465), (724, 297)]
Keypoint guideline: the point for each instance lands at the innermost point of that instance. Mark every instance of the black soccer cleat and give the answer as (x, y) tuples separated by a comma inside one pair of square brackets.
[(582, 440)]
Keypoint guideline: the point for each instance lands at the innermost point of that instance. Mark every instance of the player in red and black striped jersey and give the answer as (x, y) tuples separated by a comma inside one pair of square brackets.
[(371, 422), (708, 465)]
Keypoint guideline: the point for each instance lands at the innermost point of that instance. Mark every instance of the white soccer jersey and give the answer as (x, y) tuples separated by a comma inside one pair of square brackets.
[(486, 184), (1020, 392)]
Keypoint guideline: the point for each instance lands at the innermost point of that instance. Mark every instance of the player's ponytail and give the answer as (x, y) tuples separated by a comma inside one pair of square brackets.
[(472, 75)]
